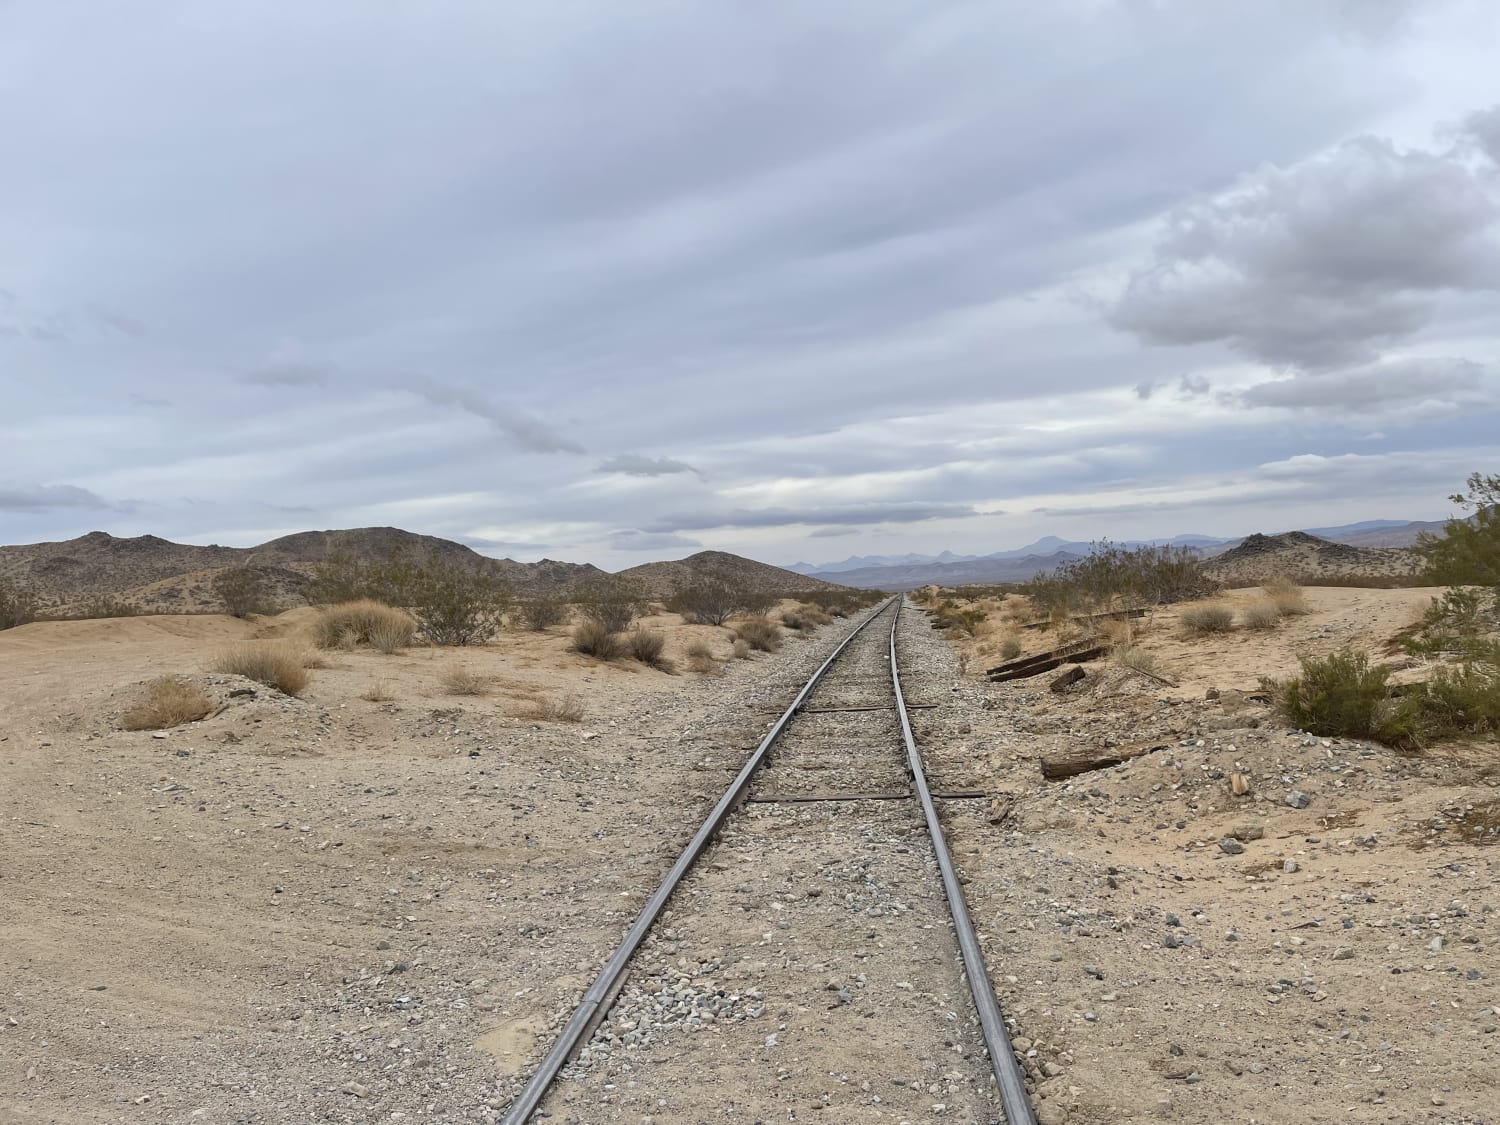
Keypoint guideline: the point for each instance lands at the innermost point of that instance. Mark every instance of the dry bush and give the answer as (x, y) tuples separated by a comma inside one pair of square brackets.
[(592, 637), (273, 663), (543, 613), (311, 657), (1261, 614), (742, 650), (244, 590), (565, 709), (363, 622), (168, 702), (377, 693), (1010, 648), (760, 633), (648, 646), (17, 606), (609, 600), (1212, 618), (458, 680), (1136, 659), (1287, 596), (802, 617), (700, 658)]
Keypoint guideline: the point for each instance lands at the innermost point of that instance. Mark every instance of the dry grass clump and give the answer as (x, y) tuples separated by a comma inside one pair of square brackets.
[(273, 663), (594, 638), (1287, 596), (377, 692), (742, 650), (1200, 620), (459, 680), (802, 617), (648, 646), (1261, 614), (564, 709), (700, 658), (1137, 659), (760, 633), (365, 621), (168, 702)]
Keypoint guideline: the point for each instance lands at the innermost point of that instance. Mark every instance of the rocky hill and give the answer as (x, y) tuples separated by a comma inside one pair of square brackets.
[(155, 575), (1300, 555), (663, 579)]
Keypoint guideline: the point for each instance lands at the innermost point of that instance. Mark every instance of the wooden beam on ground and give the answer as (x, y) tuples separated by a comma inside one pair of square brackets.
[(1036, 669), (1059, 767), (1112, 615)]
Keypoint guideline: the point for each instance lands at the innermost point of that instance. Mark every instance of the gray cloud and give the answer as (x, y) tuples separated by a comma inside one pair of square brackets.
[(1483, 128), (633, 539), (1373, 388), (290, 375), (851, 515), (832, 532), (1322, 263), (635, 465), (48, 497)]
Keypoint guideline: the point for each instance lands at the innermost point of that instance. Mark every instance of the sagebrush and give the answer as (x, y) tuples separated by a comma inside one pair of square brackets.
[(167, 701)]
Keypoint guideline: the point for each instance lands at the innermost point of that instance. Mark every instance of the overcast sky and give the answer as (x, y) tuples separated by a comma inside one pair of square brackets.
[(610, 281)]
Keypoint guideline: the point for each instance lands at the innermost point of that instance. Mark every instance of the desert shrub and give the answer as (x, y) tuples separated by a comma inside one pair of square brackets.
[(564, 709), (273, 663), (716, 595), (760, 633), (1203, 619), (1135, 658), (1287, 596), (1112, 577), (700, 658), (458, 680), (242, 590), (648, 646), (97, 608), (1341, 694), (543, 613), (1468, 551), (594, 638), (960, 619), (342, 577), (377, 692), (1458, 701), (363, 622), (1260, 614), (609, 600), (456, 605), (17, 605), (167, 702), (802, 617), (741, 649), (1010, 648)]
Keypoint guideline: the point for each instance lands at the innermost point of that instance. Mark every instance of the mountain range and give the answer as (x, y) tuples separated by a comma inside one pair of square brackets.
[(907, 572)]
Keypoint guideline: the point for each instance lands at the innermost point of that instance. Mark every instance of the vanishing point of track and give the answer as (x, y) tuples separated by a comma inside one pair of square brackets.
[(824, 759)]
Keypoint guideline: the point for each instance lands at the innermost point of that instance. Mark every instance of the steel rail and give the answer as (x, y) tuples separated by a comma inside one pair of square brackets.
[(599, 993), (1008, 1074)]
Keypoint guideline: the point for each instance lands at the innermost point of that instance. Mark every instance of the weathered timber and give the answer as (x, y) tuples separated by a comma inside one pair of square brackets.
[(1066, 680), (1042, 657), (1058, 767), (1082, 657), (1112, 615)]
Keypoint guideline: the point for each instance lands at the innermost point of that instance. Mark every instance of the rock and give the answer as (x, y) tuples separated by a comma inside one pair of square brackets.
[(1052, 1113), (1211, 693), (1094, 971), (1298, 799), (1344, 953), (1230, 846), (1248, 830), (1171, 940), (358, 1089), (1436, 945), (1289, 867)]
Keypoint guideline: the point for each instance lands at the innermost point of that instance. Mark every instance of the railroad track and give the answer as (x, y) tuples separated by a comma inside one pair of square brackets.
[(835, 923)]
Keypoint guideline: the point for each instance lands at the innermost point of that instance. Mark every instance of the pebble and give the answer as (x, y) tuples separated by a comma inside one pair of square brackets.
[(1230, 846), (1298, 799), (1289, 867)]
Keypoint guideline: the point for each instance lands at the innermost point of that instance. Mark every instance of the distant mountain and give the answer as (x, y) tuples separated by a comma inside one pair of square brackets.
[(663, 579), (1380, 533), (1047, 545), (158, 576), (954, 574), (1300, 555)]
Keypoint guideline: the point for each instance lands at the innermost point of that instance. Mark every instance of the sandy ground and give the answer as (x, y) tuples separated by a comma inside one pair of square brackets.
[(336, 910)]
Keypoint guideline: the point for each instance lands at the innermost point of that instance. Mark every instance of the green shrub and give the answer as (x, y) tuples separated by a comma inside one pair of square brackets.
[(1342, 694), (455, 605), (1458, 701), (544, 612), (610, 601), (594, 638)]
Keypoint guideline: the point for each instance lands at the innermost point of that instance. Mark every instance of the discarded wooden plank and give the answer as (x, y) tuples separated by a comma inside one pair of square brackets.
[(1082, 657), (1042, 657), (1066, 680), (1058, 767), (1112, 615)]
